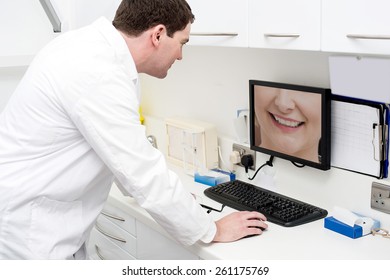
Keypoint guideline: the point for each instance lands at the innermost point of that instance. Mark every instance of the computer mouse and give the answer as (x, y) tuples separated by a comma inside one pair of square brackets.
[(262, 228), (251, 235)]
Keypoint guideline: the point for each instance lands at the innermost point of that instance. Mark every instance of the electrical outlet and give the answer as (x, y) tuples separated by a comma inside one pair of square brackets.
[(380, 197), (243, 150)]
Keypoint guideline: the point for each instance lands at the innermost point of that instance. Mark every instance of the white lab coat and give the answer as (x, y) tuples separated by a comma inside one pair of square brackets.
[(70, 128)]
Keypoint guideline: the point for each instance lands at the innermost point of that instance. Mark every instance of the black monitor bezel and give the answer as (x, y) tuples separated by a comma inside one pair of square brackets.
[(325, 123)]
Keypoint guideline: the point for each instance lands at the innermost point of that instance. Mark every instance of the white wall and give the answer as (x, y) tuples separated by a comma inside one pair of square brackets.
[(9, 79), (211, 83)]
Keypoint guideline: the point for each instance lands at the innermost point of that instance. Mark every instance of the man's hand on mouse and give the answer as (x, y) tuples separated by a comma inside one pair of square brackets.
[(238, 225)]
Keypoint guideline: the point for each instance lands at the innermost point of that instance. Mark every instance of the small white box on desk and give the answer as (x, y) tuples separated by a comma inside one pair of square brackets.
[(191, 144)]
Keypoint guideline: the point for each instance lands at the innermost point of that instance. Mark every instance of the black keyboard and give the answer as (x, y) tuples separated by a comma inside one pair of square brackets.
[(278, 209)]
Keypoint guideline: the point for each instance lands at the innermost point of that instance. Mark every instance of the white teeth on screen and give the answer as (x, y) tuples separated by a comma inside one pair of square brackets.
[(287, 123)]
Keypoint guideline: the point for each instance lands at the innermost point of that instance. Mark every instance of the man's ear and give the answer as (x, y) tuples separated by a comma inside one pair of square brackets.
[(158, 32)]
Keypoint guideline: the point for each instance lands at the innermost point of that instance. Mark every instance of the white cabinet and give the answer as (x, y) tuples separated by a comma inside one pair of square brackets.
[(219, 23), (114, 235), (118, 236), (120, 218), (152, 245), (24, 29), (101, 247), (285, 24), (351, 26), (357, 26)]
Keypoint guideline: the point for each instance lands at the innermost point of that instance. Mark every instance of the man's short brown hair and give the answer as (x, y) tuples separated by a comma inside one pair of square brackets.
[(133, 17)]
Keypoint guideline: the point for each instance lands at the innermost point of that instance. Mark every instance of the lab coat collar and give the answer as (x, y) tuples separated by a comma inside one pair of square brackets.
[(116, 41)]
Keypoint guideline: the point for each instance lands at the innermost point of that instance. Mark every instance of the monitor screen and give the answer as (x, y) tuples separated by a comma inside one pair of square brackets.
[(291, 122)]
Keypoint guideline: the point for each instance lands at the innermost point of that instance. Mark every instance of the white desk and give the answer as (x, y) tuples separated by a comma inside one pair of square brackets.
[(309, 241)]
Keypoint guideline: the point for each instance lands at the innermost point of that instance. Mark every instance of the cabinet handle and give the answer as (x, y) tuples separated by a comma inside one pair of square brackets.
[(370, 37), (109, 235), (281, 35), (113, 217), (97, 250), (214, 34)]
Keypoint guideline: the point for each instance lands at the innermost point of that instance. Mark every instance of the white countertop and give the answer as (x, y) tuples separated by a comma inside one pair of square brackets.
[(308, 241)]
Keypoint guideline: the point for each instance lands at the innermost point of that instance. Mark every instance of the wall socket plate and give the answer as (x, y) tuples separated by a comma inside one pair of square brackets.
[(243, 150), (380, 197)]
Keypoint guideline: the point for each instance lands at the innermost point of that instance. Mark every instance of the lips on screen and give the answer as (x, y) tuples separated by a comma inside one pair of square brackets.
[(291, 122)]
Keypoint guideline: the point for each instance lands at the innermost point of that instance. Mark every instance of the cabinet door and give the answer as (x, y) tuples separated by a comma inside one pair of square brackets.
[(99, 247), (219, 23), (357, 26), (117, 235), (152, 245), (119, 217), (24, 29), (285, 24)]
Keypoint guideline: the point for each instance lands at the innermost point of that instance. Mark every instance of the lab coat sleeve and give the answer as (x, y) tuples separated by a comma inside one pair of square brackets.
[(108, 119)]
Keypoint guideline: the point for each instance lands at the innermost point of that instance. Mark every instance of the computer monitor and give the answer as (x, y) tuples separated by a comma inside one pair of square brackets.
[(290, 122)]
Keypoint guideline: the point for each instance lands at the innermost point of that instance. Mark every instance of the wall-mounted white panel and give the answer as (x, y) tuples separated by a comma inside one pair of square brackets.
[(24, 28)]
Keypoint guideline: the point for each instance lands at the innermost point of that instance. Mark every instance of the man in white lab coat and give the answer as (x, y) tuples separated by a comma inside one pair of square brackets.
[(72, 126)]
